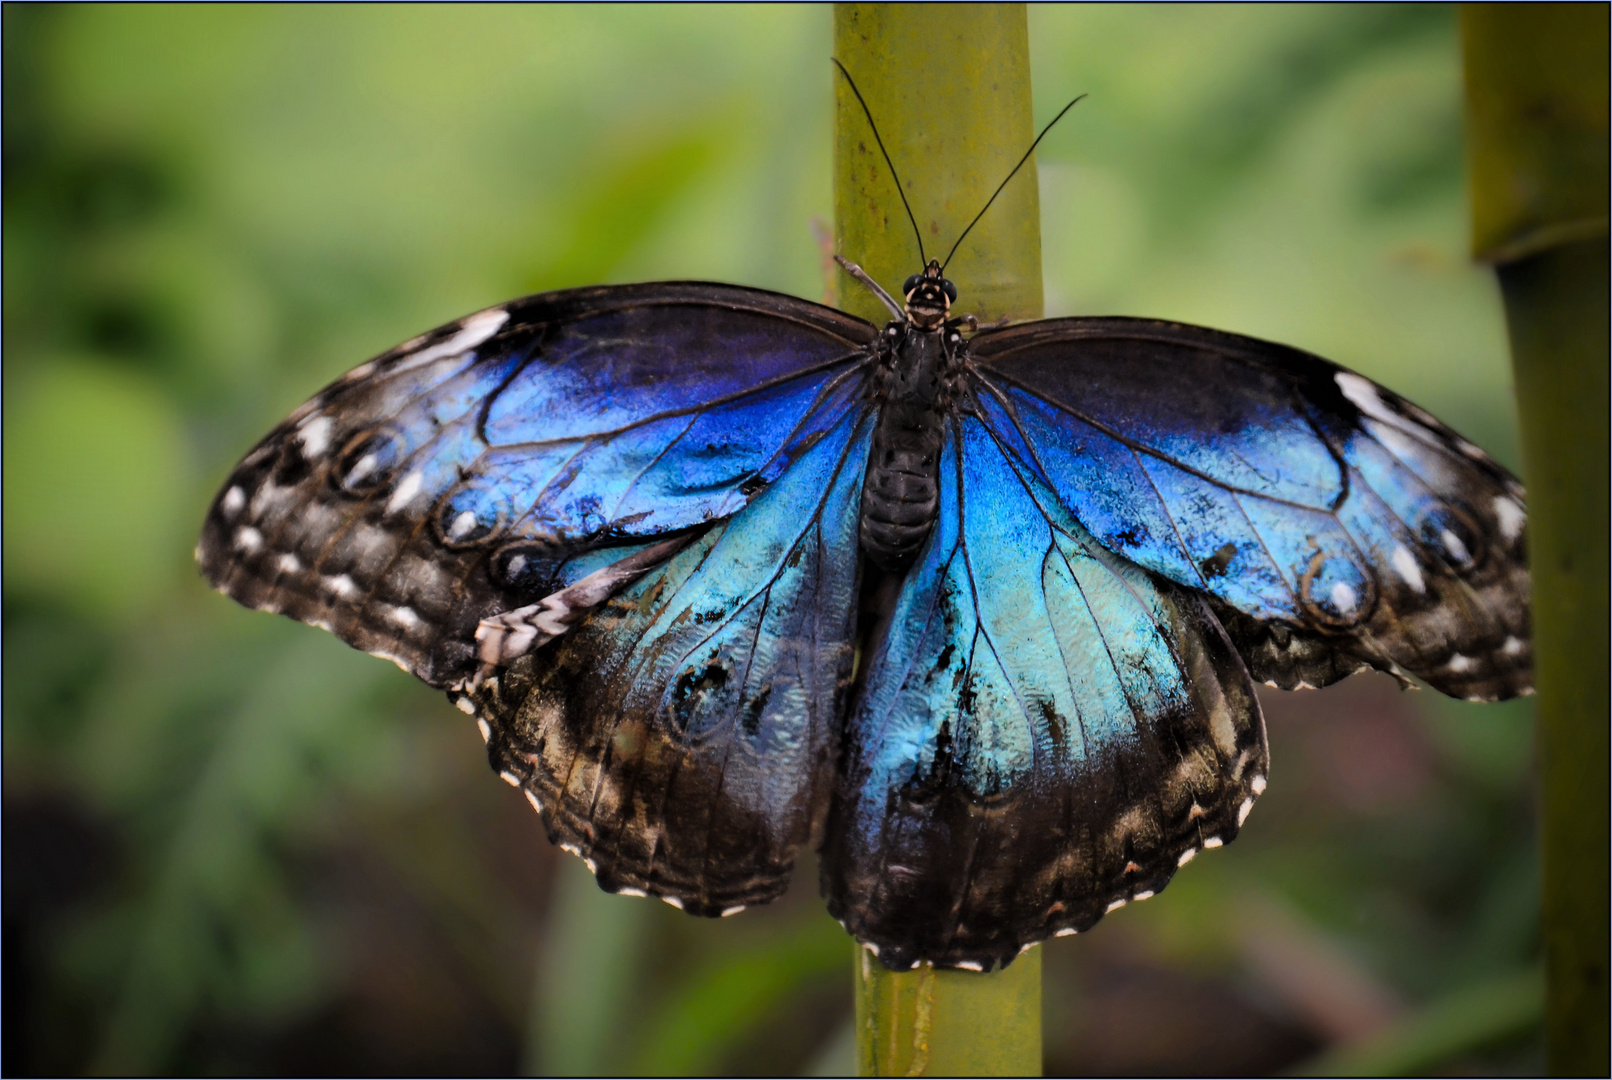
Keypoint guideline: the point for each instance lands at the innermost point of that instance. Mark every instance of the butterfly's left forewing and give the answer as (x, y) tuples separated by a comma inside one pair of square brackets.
[(496, 460), (1047, 731)]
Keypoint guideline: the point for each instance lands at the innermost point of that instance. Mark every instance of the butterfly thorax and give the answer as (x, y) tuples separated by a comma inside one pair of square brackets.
[(900, 490)]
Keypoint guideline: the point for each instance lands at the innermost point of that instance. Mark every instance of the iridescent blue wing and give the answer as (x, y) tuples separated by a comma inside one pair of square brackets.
[(1047, 730), (683, 739), (1334, 524), (482, 466)]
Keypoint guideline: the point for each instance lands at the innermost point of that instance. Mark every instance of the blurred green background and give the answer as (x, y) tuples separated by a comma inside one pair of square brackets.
[(232, 845)]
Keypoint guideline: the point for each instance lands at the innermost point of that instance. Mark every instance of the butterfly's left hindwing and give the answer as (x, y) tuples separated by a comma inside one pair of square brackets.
[(491, 462), (1047, 732), (684, 738)]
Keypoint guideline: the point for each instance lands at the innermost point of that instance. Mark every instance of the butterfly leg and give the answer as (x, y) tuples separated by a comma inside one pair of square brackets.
[(974, 326), (512, 634)]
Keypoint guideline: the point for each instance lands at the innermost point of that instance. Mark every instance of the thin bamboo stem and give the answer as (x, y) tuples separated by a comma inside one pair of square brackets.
[(950, 89), (1537, 126)]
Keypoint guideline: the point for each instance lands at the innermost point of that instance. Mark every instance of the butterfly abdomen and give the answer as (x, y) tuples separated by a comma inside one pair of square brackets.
[(900, 495)]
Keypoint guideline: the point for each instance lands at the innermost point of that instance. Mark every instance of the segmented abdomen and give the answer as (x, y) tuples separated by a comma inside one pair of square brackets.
[(899, 493)]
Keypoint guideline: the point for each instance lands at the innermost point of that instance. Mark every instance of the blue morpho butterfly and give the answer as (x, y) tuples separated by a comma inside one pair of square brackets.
[(721, 572)]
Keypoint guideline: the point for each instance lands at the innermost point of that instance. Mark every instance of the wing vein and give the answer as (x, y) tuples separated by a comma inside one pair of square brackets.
[(1140, 448)]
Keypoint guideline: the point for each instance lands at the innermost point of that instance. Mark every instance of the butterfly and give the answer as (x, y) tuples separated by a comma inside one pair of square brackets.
[(977, 613)]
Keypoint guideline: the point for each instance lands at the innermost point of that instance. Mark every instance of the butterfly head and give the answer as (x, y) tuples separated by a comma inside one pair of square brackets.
[(929, 297)]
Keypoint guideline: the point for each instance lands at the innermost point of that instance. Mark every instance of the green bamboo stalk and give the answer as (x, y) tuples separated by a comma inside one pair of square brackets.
[(1537, 128), (950, 89)]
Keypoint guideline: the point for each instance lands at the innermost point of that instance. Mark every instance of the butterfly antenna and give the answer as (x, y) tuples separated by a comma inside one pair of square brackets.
[(899, 191), (1004, 183)]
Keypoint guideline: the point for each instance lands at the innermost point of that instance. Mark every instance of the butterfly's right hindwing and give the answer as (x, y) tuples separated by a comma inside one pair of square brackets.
[(1046, 732)]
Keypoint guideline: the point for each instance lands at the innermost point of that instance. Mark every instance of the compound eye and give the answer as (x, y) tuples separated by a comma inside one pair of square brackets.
[(951, 290), (911, 284)]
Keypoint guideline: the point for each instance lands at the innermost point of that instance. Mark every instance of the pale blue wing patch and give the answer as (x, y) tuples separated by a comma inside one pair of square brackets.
[(683, 739), (1046, 731)]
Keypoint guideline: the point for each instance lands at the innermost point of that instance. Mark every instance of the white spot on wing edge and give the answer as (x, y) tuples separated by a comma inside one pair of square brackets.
[(1116, 905), (1212, 842), (473, 330), (1257, 784), (382, 653), (232, 501), (1512, 517), (970, 965), (675, 901), (1068, 931), (485, 728), (1405, 566), (1187, 856), (1455, 546), (1145, 894), (1513, 646), (734, 910), (342, 586), (404, 617), (314, 435), (537, 804), (511, 779), (628, 890), (1421, 415), (406, 490), (465, 705), (1343, 597), (361, 469), (1363, 392), (1243, 810)]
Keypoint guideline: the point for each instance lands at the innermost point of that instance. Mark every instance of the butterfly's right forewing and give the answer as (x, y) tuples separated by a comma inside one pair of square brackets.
[(1336, 525)]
